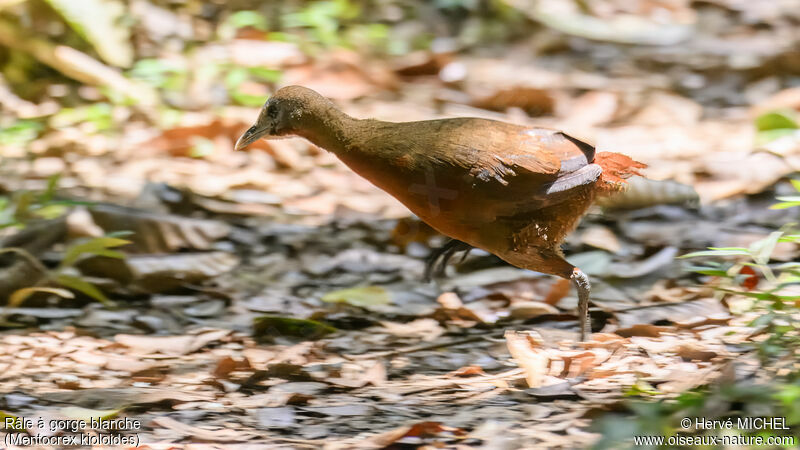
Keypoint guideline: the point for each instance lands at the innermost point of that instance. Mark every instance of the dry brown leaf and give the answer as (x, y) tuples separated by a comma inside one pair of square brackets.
[(694, 352), (535, 102), (417, 430), (155, 233), (170, 345), (529, 310), (450, 300), (125, 363), (559, 290), (421, 63), (601, 237), (261, 53), (645, 330), (224, 367), (528, 355), (467, 371), (200, 434), (182, 141), (341, 75), (426, 329), (153, 375), (593, 108)]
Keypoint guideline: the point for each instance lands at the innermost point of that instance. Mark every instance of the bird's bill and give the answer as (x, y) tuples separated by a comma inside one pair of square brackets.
[(251, 135)]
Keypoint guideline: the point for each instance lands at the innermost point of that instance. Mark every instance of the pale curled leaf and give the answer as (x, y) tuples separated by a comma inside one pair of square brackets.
[(102, 24), (364, 297), (529, 356)]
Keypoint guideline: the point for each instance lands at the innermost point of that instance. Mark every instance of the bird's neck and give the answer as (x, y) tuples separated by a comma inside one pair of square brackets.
[(331, 129)]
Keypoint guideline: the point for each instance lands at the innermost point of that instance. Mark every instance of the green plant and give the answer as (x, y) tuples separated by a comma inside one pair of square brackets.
[(731, 402), (324, 19), (98, 115), (774, 125), (64, 275), (24, 206), (161, 73), (20, 132), (751, 275), (771, 287), (237, 76)]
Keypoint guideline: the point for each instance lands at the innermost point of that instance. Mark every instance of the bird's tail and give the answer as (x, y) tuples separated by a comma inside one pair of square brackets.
[(616, 169)]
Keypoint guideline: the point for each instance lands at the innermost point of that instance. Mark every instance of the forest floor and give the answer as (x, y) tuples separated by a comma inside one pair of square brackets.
[(273, 297)]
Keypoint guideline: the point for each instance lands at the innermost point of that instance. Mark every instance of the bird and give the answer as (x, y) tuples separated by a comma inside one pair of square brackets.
[(514, 191)]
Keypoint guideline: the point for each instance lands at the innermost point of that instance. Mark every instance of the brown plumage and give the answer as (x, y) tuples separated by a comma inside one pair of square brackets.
[(511, 190)]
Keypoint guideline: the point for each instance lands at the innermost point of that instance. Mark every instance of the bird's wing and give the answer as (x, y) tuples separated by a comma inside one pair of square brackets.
[(536, 166), (499, 152)]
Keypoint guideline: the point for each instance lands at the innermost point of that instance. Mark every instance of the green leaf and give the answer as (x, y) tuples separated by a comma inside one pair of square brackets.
[(719, 251), (83, 286), (103, 24), (775, 120), (265, 327), (20, 132), (270, 75), (785, 205), (50, 191), (254, 19), (762, 249), (20, 295), (11, 422), (711, 271), (765, 137), (796, 184), (97, 246), (359, 296)]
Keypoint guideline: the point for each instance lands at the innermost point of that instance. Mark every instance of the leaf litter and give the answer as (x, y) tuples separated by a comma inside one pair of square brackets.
[(355, 351)]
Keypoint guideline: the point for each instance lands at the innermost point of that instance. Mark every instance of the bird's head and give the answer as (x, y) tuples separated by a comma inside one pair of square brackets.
[(289, 111)]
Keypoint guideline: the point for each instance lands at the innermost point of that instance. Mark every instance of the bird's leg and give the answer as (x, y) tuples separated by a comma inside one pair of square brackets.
[(583, 287), (433, 265)]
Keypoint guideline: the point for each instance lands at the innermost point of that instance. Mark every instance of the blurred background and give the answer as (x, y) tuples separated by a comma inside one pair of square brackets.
[(129, 227), (108, 93)]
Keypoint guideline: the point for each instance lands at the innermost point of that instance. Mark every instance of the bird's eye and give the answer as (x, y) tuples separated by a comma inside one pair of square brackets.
[(272, 111)]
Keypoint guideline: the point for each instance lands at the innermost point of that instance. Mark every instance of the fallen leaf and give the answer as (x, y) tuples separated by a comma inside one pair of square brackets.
[(418, 430), (363, 297), (224, 367), (643, 330), (271, 326), (198, 433), (529, 310), (528, 355), (601, 237), (680, 312), (170, 345), (468, 371), (694, 352), (535, 102), (279, 417)]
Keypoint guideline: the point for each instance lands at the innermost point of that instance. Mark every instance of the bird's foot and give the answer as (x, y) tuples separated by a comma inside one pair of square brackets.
[(583, 286), (437, 261)]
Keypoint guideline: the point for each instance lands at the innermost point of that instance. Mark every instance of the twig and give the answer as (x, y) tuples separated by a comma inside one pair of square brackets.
[(27, 256)]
